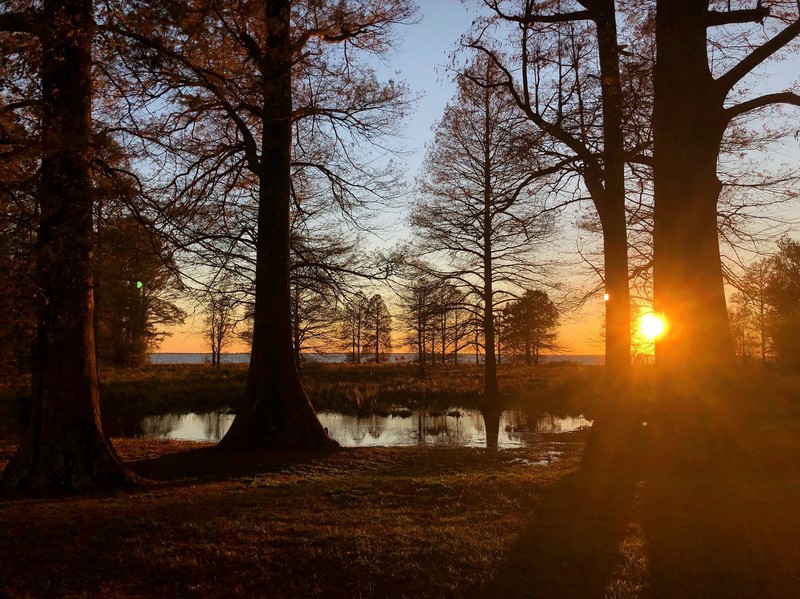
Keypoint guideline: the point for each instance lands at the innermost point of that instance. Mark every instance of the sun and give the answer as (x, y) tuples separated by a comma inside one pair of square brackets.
[(652, 326)]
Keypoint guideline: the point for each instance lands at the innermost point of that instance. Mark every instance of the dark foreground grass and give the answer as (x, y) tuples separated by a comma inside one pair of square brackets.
[(406, 522), (423, 522), (401, 522)]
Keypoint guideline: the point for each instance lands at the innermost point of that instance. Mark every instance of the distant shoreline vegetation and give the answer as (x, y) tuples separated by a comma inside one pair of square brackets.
[(340, 358)]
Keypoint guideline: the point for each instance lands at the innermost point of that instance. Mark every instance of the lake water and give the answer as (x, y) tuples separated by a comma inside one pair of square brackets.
[(337, 358), (462, 428)]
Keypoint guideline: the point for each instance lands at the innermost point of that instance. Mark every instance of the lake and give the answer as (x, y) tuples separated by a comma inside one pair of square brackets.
[(456, 428)]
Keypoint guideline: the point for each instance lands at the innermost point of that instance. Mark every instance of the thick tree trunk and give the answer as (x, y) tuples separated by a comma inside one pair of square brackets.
[(276, 411), (614, 428), (64, 445), (696, 356), (688, 126)]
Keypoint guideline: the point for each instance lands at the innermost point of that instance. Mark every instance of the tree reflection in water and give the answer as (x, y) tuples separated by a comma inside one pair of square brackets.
[(457, 427)]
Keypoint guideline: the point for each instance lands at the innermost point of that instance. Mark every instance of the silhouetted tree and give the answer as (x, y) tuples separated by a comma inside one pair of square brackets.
[(478, 213), (64, 444), (783, 296), (353, 316), (137, 290), (220, 320), (251, 73), (416, 315), (448, 316), (529, 324), (696, 99), (751, 309), (565, 75), (17, 239), (378, 322)]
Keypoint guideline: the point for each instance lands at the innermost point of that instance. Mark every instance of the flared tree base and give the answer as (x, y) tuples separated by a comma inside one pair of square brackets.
[(277, 421), (79, 463)]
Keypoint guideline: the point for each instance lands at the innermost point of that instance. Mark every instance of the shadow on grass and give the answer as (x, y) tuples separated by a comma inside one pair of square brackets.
[(571, 549), (723, 535), (210, 464), (721, 508)]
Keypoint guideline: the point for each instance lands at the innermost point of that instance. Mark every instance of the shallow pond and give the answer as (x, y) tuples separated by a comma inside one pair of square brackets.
[(462, 428)]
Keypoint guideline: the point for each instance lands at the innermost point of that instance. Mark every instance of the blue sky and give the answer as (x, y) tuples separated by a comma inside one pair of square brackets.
[(421, 60)]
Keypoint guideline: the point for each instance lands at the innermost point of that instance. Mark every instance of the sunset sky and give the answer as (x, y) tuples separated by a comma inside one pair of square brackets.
[(421, 60)]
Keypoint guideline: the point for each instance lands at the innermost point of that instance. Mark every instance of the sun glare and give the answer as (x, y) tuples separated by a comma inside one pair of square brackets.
[(652, 326)]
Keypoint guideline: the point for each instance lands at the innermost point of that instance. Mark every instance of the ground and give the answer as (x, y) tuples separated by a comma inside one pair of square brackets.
[(402, 522), (425, 521), (380, 522)]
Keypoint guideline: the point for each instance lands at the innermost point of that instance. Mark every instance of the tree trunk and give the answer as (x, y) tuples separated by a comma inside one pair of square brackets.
[(296, 326), (377, 335), (420, 350), (64, 445), (696, 355), (276, 411), (357, 356), (527, 347), (617, 421), (444, 338), (490, 387)]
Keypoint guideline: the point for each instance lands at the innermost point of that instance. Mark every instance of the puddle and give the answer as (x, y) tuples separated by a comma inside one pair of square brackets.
[(454, 428)]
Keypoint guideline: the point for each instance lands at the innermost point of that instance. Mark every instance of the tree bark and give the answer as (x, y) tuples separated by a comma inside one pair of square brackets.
[(276, 411), (613, 429), (696, 355), (65, 445)]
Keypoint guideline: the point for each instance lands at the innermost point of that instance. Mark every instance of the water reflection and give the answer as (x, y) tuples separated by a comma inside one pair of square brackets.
[(464, 428)]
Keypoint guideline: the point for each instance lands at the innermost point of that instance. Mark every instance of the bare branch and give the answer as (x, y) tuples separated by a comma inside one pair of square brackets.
[(760, 102), (729, 17), (757, 56), (530, 19)]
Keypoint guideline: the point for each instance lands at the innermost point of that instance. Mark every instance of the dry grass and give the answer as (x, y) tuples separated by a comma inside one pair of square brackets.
[(423, 522), (408, 522)]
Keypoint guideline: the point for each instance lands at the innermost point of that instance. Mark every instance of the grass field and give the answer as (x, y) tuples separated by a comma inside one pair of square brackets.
[(422, 522)]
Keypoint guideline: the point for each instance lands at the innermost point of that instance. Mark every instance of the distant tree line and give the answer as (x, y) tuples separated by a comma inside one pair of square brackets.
[(765, 311)]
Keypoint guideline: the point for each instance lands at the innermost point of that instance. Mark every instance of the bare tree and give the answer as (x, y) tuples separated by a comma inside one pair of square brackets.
[(449, 314), (136, 289), (478, 213), (252, 73), (379, 327), (530, 322), (353, 316), (575, 99), (416, 303), (220, 321), (64, 444), (565, 76), (753, 303)]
